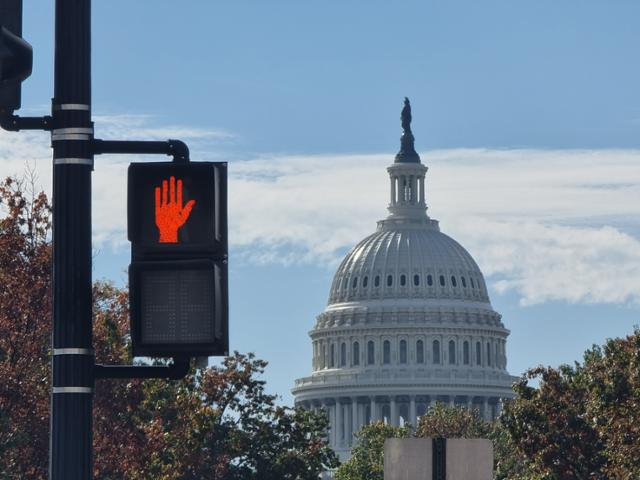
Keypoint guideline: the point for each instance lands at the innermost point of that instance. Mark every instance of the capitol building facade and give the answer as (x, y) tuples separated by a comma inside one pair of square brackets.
[(408, 323)]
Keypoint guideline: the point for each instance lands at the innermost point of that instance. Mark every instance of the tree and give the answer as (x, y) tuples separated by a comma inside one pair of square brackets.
[(440, 421), (216, 423), (367, 457), (25, 306), (582, 421)]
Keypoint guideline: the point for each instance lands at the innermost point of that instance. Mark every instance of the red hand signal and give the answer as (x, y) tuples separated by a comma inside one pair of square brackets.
[(170, 215)]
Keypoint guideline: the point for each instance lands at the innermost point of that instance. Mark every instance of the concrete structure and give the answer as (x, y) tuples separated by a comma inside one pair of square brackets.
[(408, 322), (408, 459), (412, 459)]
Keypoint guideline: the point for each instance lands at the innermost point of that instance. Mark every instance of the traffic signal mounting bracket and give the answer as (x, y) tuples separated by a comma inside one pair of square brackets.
[(15, 123), (180, 152), (175, 371), (176, 148)]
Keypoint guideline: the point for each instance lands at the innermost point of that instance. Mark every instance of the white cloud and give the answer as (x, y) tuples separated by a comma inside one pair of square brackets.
[(544, 262), (143, 127), (546, 224)]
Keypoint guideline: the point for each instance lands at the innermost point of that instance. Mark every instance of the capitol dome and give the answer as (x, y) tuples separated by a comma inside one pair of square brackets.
[(408, 323), (414, 262)]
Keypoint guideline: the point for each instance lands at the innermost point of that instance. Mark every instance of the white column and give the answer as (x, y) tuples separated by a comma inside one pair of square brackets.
[(393, 190), (332, 424), (422, 196), (413, 418), (339, 423), (485, 408), (414, 193), (374, 413), (354, 418), (394, 420), (504, 354)]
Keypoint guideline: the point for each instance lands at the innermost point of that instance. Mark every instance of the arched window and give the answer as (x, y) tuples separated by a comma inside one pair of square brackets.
[(416, 280), (365, 282), (464, 282), (355, 282), (442, 280), (436, 351), (403, 351), (343, 355), (376, 281), (371, 350), (324, 356), (465, 353), (332, 360), (403, 280), (478, 354), (452, 352), (429, 280), (386, 352), (488, 354), (419, 351), (345, 283), (472, 284), (389, 280), (356, 353), (453, 281)]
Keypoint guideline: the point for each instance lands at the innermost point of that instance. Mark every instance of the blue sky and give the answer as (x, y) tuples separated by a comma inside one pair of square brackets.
[(526, 112)]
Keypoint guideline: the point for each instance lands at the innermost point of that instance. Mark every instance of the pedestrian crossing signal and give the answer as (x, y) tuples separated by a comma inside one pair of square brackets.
[(177, 225)]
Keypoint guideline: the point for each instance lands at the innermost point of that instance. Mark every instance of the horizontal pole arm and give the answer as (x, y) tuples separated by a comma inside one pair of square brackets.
[(176, 371), (14, 123), (176, 148)]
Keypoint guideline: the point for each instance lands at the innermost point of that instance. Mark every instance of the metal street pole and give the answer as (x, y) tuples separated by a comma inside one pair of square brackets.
[(73, 366), (72, 136)]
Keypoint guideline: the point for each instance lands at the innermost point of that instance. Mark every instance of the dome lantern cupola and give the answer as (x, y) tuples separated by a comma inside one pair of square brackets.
[(407, 203)]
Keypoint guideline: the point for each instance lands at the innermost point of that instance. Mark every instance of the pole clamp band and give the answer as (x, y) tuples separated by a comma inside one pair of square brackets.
[(72, 390), (73, 351), (71, 134), (73, 161), (72, 106)]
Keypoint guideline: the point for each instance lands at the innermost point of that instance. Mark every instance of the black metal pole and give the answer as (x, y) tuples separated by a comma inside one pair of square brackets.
[(72, 134)]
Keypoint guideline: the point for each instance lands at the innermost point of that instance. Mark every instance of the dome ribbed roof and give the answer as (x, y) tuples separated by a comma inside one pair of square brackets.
[(408, 256), (408, 262)]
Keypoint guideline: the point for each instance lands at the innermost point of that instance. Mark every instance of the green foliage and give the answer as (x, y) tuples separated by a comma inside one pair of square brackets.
[(582, 421), (439, 421), (452, 422), (367, 457)]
